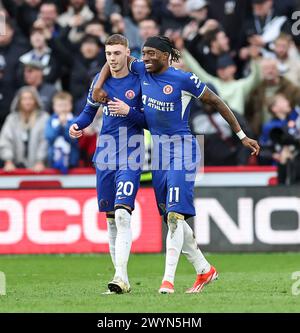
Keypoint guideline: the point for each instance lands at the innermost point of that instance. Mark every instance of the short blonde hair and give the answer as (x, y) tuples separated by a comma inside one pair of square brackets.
[(63, 95), (284, 36), (117, 39), (271, 101)]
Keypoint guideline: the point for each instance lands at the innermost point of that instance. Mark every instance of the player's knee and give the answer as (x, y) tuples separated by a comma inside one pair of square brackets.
[(173, 219), (122, 218)]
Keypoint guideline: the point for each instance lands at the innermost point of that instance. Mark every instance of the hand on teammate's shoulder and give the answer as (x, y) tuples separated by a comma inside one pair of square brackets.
[(100, 95)]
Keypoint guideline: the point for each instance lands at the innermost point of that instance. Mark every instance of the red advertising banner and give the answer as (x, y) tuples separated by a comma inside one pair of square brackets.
[(68, 221)]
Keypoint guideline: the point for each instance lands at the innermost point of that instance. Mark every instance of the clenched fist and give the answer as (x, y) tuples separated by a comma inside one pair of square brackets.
[(75, 132)]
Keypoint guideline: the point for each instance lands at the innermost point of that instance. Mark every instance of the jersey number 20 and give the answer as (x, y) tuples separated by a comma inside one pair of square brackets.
[(125, 188)]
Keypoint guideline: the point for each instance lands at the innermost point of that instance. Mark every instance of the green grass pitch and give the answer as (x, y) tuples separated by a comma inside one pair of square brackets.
[(73, 283)]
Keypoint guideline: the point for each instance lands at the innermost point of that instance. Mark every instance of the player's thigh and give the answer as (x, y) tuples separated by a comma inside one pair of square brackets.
[(127, 184), (159, 183), (180, 192), (106, 190)]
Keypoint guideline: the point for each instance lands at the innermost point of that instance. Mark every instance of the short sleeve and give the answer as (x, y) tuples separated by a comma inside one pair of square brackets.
[(90, 99), (137, 66), (193, 85)]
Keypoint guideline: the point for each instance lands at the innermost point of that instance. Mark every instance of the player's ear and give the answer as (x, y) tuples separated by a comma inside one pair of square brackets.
[(128, 51), (166, 56)]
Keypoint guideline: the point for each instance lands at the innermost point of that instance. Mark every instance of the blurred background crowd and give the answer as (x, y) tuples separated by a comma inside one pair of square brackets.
[(247, 51)]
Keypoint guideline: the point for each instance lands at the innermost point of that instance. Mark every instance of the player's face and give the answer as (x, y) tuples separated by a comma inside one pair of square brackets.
[(116, 56), (154, 59)]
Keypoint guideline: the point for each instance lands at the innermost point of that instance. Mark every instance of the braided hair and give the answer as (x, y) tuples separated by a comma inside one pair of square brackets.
[(163, 44), (175, 54)]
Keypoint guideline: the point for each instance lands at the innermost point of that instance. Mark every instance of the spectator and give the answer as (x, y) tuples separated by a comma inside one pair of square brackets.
[(234, 92), (83, 66), (264, 26), (140, 10), (48, 16), (148, 28), (63, 152), (256, 109), (103, 9), (200, 22), (231, 16), (197, 10), (280, 140), (95, 28), (22, 141), (194, 32), (73, 20), (214, 43), (33, 76), (158, 9), (288, 61), (124, 26), (42, 53), (11, 48), (25, 12), (175, 18), (282, 115), (221, 145)]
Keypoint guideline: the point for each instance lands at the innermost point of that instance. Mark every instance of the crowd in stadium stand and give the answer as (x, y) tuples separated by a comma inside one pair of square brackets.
[(247, 51)]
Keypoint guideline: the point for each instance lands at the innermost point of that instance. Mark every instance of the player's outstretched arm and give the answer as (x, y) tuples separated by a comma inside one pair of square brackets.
[(211, 98), (98, 94), (83, 120)]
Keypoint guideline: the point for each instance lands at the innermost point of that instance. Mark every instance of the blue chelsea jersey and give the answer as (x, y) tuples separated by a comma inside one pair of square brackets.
[(166, 98), (127, 89), (117, 128)]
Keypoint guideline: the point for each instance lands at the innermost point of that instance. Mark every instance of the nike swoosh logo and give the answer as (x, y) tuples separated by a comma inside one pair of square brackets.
[(146, 83)]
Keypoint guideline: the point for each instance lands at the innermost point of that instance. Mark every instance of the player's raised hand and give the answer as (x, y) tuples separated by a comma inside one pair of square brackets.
[(118, 107), (99, 95), (75, 132), (251, 144)]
